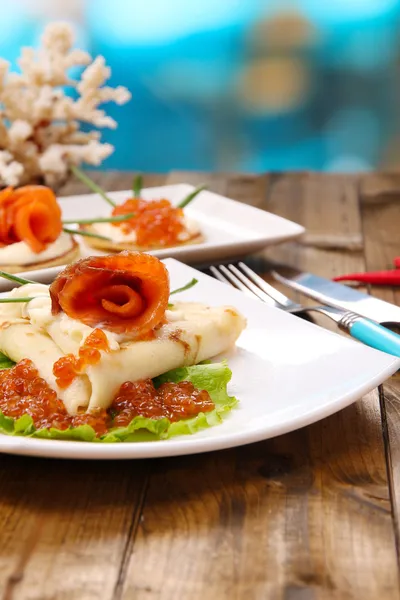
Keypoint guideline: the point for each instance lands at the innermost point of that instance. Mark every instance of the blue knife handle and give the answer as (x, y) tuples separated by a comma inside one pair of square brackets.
[(375, 335)]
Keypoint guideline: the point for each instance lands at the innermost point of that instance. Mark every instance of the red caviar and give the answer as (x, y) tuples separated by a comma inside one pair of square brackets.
[(155, 222), (172, 400), (68, 367), (23, 391)]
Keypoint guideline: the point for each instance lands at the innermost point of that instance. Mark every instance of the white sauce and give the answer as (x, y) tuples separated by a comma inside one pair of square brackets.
[(116, 234), (69, 334), (21, 254), (205, 332)]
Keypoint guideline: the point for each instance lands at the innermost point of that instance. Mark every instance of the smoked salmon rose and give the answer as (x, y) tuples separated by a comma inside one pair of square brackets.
[(126, 292), (29, 214)]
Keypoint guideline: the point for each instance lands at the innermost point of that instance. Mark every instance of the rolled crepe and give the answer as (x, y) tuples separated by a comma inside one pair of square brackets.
[(199, 333), (21, 340), (193, 333)]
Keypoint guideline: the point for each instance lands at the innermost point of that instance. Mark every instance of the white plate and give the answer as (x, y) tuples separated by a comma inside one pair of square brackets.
[(287, 373), (230, 228)]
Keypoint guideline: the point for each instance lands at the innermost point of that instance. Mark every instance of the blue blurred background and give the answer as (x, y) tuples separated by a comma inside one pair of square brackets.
[(244, 85)]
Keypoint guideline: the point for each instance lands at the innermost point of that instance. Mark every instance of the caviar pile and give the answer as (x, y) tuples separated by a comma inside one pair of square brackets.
[(22, 392), (155, 222), (69, 366), (172, 400)]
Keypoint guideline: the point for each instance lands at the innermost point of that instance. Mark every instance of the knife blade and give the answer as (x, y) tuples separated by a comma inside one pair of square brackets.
[(338, 295)]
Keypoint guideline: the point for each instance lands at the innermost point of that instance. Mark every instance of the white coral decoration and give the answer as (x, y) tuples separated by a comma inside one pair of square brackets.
[(40, 133)]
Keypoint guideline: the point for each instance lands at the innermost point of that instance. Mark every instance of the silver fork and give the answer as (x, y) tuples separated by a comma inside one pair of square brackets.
[(246, 280), (362, 329)]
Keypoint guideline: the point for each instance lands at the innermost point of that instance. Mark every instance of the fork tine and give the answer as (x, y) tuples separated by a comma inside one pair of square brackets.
[(236, 279), (236, 282), (280, 298), (218, 275), (254, 288), (250, 291)]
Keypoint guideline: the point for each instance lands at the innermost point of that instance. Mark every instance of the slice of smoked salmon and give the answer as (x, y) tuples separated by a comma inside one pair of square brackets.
[(125, 292), (6, 236), (30, 214)]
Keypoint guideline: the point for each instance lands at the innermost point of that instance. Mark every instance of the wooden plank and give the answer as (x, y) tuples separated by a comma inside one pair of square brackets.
[(250, 189), (109, 180), (294, 517), (298, 517), (328, 209), (67, 526), (326, 206), (380, 207)]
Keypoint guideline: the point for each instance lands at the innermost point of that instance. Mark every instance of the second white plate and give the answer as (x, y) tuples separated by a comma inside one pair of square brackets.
[(229, 228)]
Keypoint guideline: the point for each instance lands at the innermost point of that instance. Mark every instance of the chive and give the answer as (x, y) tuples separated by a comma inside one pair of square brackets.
[(191, 196), (15, 278), (137, 186), (185, 287), (119, 219), (87, 234), (9, 300), (91, 184)]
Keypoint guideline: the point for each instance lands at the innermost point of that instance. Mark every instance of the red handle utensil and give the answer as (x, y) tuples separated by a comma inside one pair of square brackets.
[(374, 277), (391, 277)]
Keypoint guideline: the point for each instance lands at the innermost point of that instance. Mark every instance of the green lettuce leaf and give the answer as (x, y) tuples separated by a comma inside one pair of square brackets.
[(5, 362), (83, 433), (213, 378)]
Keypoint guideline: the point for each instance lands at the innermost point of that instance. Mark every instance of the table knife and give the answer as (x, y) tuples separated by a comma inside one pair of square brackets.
[(337, 295)]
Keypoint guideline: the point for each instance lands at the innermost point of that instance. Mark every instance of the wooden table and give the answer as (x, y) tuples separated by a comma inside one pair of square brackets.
[(312, 514)]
